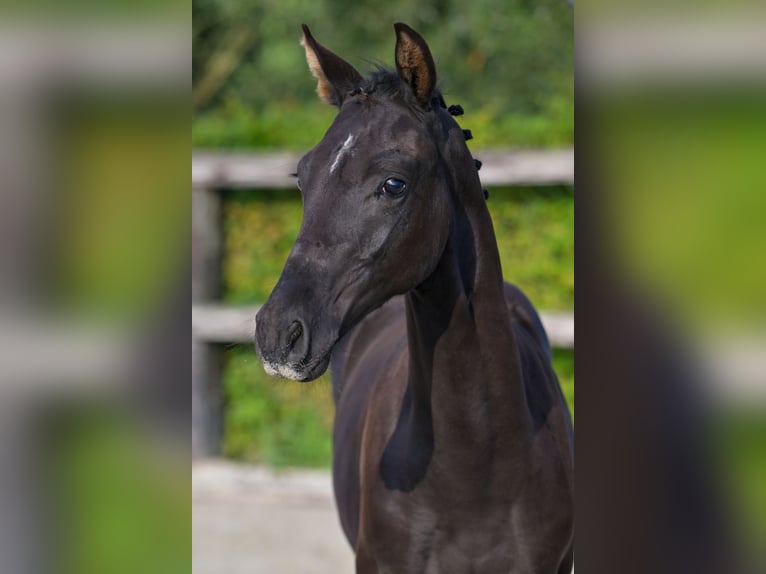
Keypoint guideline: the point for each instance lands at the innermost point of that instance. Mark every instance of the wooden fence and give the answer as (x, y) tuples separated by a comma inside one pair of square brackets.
[(214, 323)]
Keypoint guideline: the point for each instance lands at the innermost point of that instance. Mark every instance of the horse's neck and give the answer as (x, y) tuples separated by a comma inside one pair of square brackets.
[(465, 374)]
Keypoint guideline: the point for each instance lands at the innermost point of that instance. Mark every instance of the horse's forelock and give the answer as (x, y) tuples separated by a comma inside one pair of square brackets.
[(386, 83)]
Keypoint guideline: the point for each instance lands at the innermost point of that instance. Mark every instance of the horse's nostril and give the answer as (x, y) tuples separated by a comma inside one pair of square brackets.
[(294, 333)]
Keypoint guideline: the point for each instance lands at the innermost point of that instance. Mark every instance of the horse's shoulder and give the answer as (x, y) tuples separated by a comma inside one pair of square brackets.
[(523, 314)]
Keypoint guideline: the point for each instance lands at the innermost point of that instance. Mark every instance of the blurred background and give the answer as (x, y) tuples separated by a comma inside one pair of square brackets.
[(670, 243), (95, 264)]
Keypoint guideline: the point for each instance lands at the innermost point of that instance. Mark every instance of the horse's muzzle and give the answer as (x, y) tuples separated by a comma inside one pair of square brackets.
[(286, 347)]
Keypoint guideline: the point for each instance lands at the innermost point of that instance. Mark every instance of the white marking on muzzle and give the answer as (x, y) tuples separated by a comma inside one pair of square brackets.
[(343, 151), (285, 371)]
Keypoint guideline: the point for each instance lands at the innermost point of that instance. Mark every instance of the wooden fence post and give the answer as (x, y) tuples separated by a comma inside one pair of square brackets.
[(207, 393)]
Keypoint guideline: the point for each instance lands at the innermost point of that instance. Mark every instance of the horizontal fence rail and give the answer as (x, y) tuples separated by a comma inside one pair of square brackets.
[(217, 323), (238, 170)]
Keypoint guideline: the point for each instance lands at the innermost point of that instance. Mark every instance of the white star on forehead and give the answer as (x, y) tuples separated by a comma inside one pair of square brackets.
[(343, 151)]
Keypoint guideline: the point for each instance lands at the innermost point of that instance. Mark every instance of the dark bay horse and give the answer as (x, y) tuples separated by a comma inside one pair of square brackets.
[(452, 441)]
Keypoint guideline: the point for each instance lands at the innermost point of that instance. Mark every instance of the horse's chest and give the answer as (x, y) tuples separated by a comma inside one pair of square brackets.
[(411, 536), (501, 527), (479, 546)]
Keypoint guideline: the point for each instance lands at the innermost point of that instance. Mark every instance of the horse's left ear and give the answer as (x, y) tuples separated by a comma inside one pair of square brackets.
[(335, 77), (414, 62)]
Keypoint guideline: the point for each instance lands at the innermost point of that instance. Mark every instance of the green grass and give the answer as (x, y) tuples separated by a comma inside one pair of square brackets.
[(284, 423)]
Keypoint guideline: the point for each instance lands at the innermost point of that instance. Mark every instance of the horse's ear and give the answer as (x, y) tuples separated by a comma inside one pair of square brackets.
[(414, 62), (335, 77)]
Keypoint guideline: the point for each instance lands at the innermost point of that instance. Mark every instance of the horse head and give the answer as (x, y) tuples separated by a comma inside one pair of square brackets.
[(378, 197)]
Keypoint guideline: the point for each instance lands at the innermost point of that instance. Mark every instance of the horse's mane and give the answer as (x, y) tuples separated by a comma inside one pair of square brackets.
[(386, 82)]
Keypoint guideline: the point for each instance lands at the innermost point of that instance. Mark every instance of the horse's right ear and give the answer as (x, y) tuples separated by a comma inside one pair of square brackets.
[(335, 77)]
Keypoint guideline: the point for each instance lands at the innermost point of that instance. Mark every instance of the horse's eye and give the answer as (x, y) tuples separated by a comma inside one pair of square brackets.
[(394, 187)]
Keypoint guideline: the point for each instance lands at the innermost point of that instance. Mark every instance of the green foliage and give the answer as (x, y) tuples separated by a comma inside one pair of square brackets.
[(492, 128), (275, 126), (508, 62), (118, 508), (103, 195), (685, 205), (282, 423), (534, 228), (295, 126), (259, 229)]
